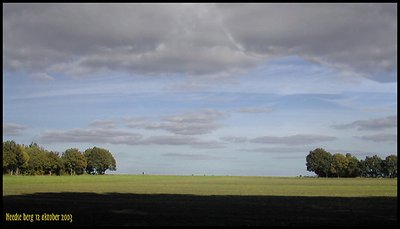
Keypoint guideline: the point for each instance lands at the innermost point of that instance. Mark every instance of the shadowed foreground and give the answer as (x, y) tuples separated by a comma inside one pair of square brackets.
[(182, 210)]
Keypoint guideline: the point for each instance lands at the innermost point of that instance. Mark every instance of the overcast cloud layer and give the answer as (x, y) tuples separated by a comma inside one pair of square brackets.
[(222, 89), (196, 39)]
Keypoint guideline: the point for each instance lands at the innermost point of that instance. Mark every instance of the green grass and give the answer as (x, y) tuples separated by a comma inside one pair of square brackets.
[(202, 185), (153, 200)]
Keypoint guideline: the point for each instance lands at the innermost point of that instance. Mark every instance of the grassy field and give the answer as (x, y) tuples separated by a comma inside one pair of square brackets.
[(201, 185), (150, 200)]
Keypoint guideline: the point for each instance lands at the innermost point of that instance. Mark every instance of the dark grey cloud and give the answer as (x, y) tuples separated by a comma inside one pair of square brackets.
[(371, 124), (79, 39), (189, 123), (70, 31), (390, 138), (195, 39), (13, 129), (299, 139), (359, 37)]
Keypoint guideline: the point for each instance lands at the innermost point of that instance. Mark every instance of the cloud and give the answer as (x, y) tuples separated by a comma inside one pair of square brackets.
[(108, 124), (342, 36), (255, 110), (138, 38), (13, 129), (181, 140), (283, 150), (291, 157), (234, 139), (299, 139), (390, 138), (371, 124), (116, 136), (41, 77), (196, 39), (189, 156), (190, 123), (91, 135), (183, 126)]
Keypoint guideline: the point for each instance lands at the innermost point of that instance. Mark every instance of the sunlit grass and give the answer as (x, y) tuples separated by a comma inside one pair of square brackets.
[(201, 185)]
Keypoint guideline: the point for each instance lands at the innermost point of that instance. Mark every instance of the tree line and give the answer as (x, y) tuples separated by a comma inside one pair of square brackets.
[(35, 160), (324, 164)]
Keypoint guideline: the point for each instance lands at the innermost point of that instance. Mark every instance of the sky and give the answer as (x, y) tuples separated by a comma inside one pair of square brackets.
[(203, 89)]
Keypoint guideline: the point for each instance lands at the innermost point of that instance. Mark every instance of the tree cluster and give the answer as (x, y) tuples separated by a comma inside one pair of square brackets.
[(324, 164), (35, 160)]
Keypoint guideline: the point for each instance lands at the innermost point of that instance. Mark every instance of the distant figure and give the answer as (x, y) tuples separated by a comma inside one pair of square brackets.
[(142, 173)]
